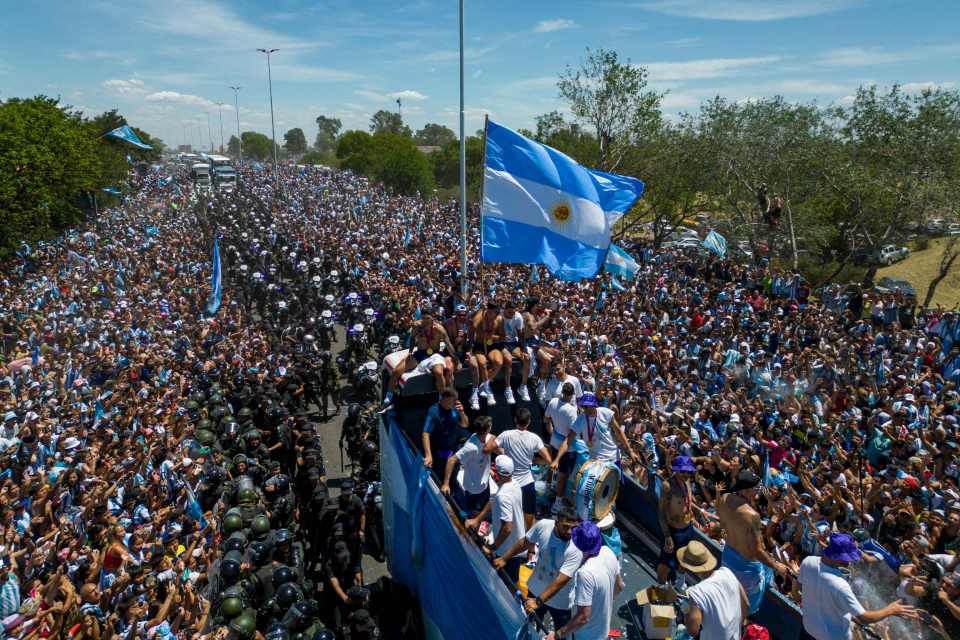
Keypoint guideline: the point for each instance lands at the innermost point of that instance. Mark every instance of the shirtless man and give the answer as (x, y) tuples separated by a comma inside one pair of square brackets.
[(429, 340), (459, 328), (489, 339), (535, 319), (744, 553), (676, 514)]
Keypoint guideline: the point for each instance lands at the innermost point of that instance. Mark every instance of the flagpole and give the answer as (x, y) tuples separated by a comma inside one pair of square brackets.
[(483, 179), (464, 287)]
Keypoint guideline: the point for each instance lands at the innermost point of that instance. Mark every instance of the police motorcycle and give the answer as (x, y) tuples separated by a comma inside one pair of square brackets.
[(366, 382), (356, 350)]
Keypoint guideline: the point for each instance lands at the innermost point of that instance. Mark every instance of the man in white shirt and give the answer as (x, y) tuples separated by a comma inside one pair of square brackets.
[(515, 347), (596, 584), (523, 447), (550, 584), (829, 603), (557, 380), (717, 606), (475, 462), (598, 428), (560, 415), (506, 514)]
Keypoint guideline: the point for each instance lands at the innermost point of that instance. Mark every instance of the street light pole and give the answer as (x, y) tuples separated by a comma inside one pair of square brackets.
[(209, 133), (236, 108), (273, 130), (220, 107), (463, 179)]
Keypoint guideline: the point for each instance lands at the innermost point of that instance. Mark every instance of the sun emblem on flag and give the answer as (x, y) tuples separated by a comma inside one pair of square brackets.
[(561, 212)]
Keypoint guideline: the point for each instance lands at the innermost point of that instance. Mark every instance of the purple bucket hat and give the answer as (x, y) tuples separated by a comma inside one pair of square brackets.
[(842, 548), (586, 536), (588, 399), (683, 464)]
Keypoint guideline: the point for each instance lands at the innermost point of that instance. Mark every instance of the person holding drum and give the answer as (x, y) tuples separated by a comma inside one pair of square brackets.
[(598, 428), (676, 514)]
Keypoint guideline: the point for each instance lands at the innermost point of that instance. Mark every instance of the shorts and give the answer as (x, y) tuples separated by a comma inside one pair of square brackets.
[(528, 493), (427, 364), (681, 537), (567, 462), (481, 348), (473, 503), (510, 346)]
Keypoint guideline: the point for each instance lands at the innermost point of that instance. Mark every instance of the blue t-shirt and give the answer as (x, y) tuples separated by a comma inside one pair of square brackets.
[(443, 425)]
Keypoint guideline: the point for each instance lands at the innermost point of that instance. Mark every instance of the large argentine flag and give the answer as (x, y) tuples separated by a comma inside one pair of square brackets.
[(541, 207)]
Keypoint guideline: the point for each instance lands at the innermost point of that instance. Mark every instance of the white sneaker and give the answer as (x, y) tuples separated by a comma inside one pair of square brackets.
[(508, 394), (475, 400), (487, 393), (524, 393)]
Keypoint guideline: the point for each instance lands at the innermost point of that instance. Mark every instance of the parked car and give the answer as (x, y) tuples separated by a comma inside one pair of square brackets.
[(935, 226), (953, 229), (890, 285), (892, 253)]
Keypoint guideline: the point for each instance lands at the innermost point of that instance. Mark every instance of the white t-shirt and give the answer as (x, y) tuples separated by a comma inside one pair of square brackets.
[(597, 434), (828, 601), (555, 386), (508, 507), (594, 587), (475, 464), (555, 556), (521, 446), (562, 414), (718, 598), (513, 327)]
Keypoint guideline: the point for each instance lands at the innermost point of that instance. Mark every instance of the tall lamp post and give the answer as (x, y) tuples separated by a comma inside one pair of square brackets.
[(236, 108), (209, 133), (463, 179), (273, 130), (220, 107)]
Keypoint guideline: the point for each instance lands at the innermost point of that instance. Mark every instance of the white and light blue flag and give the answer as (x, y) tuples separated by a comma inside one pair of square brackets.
[(541, 207), (129, 135), (216, 294), (621, 263), (716, 243)]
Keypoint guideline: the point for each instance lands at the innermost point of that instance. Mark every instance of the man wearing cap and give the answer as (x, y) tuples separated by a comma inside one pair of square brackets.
[(829, 603), (506, 514), (676, 514), (550, 584), (716, 607), (596, 584), (745, 554), (598, 428)]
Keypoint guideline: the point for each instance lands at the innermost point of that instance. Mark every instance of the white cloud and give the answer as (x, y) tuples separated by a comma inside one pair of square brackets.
[(919, 87), (408, 94), (99, 55), (814, 87), (181, 98), (704, 69), (864, 57), (377, 96), (131, 87), (747, 10), (557, 24)]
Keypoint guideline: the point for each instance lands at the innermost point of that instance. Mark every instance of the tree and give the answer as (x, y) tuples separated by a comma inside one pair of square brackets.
[(446, 164), (328, 130), (49, 164), (256, 146), (567, 137), (388, 122), (233, 147), (295, 142), (352, 142), (398, 164), (434, 135), (611, 97)]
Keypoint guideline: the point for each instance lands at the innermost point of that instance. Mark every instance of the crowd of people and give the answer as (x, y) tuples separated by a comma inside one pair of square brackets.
[(163, 473)]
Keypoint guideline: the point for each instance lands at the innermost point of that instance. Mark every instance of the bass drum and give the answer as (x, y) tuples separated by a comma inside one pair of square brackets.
[(597, 484)]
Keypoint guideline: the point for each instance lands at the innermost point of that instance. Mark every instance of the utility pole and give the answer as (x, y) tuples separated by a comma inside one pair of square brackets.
[(209, 134), (399, 111), (220, 107), (236, 108), (273, 130), (463, 180)]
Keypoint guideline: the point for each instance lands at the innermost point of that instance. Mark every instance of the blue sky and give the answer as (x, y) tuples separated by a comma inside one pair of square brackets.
[(166, 63)]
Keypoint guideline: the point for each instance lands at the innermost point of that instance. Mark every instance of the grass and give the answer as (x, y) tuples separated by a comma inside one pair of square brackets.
[(921, 267)]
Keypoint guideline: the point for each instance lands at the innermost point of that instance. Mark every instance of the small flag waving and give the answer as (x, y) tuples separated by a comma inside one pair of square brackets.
[(621, 263), (716, 243), (541, 207), (35, 356), (112, 191), (216, 295), (127, 134)]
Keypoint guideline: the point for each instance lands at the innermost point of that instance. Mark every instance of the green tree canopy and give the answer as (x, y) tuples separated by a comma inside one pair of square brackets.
[(389, 122), (49, 162), (328, 130), (256, 146), (295, 142), (233, 147), (434, 135)]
